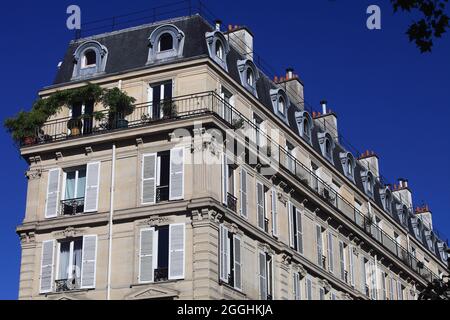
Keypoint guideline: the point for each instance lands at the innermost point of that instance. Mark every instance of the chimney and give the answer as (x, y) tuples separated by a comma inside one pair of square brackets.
[(241, 38), (293, 87), (403, 192), (327, 120), (369, 160), (218, 24), (425, 213)]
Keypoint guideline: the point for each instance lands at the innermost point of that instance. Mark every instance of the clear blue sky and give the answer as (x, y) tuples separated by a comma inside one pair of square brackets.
[(388, 96)]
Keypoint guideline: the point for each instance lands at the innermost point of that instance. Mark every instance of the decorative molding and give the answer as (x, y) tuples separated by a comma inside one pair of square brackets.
[(69, 232), (33, 174), (26, 238), (155, 221)]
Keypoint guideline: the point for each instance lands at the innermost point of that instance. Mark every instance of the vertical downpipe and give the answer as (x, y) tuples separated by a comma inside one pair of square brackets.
[(111, 213)]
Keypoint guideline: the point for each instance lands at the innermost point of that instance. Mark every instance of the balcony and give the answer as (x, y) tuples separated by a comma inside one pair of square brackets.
[(161, 274), (64, 285), (71, 207), (162, 193), (231, 202)]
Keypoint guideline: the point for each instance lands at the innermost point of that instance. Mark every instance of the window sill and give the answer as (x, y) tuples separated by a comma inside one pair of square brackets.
[(236, 290)]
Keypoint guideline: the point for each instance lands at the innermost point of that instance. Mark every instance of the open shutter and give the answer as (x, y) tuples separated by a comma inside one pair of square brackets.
[(263, 134), (299, 231), (176, 251), (92, 187), (342, 260), (46, 284), (176, 184), (51, 207), (309, 289), (363, 276), (262, 276), (297, 291), (260, 204), (148, 194), (243, 191), (146, 255), (224, 253), (330, 252), (351, 265), (291, 224), (88, 266), (274, 213), (237, 262), (224, 179), (319, 245)]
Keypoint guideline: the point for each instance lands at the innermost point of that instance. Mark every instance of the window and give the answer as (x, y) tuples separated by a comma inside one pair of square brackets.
[(89, 59), (248, 74), (218, 48), (383, 285), (304, 125), (305, 128), (348, 165), (364, 286), (342, 262), (295, 228), (160, 101), (69, 269), (297, 286), (274, 200), (165, 42), (400, 289), (243, 208), (75, 188), (373, 280), (321, 294), (228, 103), (161, 253), (263, 222), (281, 105), (368, 181), (321, 259), (326, 143), (330, 253), (351, 261), (290, 159), (265, 276), (228, 184), (309, 295), (83, 111), (392, 288), (386, 198), (230, 258)]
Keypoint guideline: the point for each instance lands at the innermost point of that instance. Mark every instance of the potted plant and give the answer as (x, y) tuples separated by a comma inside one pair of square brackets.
[(169, 109), (24, 126), (75, 125), (120, 105)]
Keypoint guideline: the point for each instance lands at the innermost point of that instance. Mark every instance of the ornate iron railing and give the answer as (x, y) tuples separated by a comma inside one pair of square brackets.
[(72, 207), (63, 285), (161, 274)]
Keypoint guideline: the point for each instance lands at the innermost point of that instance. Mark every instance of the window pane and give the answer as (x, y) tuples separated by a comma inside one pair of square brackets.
[(70, 185), (64, 255), (165, 42), (81, 183), (77, 250)]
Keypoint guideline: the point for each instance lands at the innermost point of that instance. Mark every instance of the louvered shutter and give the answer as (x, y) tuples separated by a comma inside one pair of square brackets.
[(92, 187), (263, 134), (88, 266), (52, 201), (342, 260), (330, 252), (260, 204), (319, 245), (146, 255), (274, 213), (363, 276), (148, 195), (299, 231), (224, 179), (237, 262), (176, 251), (176, 184), (224, 253), (243, 191), (351, 265), (297, 291), (309, 289), (47, 266), (262, 276), (291, 224)]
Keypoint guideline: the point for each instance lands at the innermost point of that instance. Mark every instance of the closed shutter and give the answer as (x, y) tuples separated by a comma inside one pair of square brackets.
[(237, 262), (224, 179), (392, 288), (148, 195), (147, 252), (47, 267), (274, 213), (330, 252), (88, 266), (352, 265), (342, 260), (363, 276), (319, 245), (309, 289), (176, 184), (92, 187), (299, 231), (260, 204), (291, 224), (224, 254), (176, 251), (243, 192), (262, 276), (297, 291), (51, 206), (383, 284), (263, 134)]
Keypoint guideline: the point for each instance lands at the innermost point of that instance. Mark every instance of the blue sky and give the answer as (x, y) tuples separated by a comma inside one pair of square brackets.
[(389, 98)]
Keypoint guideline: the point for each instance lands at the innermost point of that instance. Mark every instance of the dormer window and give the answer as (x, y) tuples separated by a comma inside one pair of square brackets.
[(218, 48), (348, 165), (166, 42), (418, 229), (89, 60), (326, 145), (304, 125), (280, 103), (368, 181), (429, 235), (402, 212), (386, 199), (249, 75), (327, 148)]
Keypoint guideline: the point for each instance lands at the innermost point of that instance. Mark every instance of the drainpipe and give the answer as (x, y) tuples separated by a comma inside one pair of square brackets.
[(111, 213)]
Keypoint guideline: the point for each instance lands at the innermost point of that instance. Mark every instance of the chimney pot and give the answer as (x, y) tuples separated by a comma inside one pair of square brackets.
[(289, 73), (230, 27), (218, 23), (324, 106)]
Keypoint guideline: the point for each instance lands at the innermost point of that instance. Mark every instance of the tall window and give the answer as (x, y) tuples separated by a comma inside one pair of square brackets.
[(89, 59), (263, 222), (306, 128), (321, 259), (250, 77), (295, 228), (328, 148), (165, 42), (290, 157), (230, 258), (219, 49), (281, 105), (309, 293), (297, 286), (75, 187), (160, 100), (265, 276), (70, 255)]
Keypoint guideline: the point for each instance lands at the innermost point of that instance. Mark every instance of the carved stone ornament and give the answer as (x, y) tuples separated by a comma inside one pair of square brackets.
[(69, 232), (27, 237), (33, 174), (155, 221)]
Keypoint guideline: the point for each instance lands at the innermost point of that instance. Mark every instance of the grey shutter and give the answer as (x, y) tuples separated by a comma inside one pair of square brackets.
[(309, 289), (92, 187), (224, 253), (88, 266), (342, 260), (176, 251), (351, 265), (299, 231), (148, 193), (319, 245), (176, 184), (363, 276), (243, 202), (52, 201), (260, 204), (47, 267), (297, 294), (262, 276), (237, 262), (146, 255), (291, 224), (224, 179), (274, 213), (330, 252)]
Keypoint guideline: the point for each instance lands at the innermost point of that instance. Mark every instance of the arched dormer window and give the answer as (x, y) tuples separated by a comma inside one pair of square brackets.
[(429, 236), (348, 165), (89, 60), (417, 226), (402, 212), (442, 248), (305, 125), (218, 48), (249, 75), (166, 42), (368, 181), (280, 103), (326, 143), (386, 199)]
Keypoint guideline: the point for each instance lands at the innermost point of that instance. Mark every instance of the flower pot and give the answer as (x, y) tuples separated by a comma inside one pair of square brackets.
[(28, 140), (122, 123), (75, 131)]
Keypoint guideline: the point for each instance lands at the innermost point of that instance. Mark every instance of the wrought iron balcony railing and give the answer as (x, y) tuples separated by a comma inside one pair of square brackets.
[(231, 202), (161, 274), (71, 207), (63, 285), (162, 193)]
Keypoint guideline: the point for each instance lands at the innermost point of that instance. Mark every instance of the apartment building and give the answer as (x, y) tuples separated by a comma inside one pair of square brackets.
[(241, 193)]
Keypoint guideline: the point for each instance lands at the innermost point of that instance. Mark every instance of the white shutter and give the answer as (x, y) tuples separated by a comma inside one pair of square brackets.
[(88, 265), (342, 260), (299, 231), (176, 184), (363, 276), (291, 224), (319, 245), (309, 289), (47, 255), (297, 291), (147, 254), (262, 276), (52, 201), (330, 252), (224, 253), (260, 204), (263, 134), (176, 251), (148, 192), (243, 191), (237, 262), (224, 179), (351, 265), (92, 187), (274, 213)]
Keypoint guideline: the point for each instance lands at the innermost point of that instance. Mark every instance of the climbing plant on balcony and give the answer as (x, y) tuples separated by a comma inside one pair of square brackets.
[(119, 105)]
